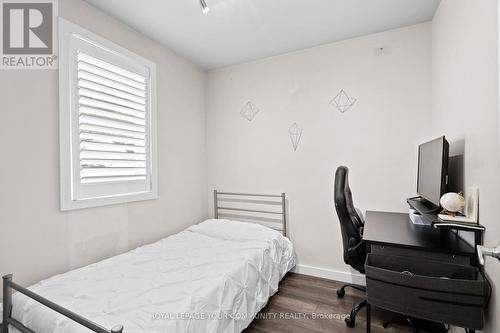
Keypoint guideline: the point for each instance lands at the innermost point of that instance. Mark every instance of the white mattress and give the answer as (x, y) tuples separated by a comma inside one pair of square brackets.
[(212, 277)]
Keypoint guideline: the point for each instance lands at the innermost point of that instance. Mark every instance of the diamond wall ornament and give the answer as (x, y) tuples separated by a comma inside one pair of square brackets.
[(295, 135), (343, 101), (249, 111)]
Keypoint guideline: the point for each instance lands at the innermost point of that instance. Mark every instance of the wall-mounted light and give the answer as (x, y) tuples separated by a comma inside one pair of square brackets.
[(204, 6)]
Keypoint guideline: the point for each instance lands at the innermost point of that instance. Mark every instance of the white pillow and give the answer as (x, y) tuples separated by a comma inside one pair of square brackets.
[(235, 230)]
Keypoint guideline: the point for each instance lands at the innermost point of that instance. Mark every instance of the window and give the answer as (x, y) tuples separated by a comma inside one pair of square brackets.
[(107, 121)]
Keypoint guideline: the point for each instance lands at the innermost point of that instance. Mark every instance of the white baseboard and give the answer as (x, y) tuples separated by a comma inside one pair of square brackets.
[(331, 274)]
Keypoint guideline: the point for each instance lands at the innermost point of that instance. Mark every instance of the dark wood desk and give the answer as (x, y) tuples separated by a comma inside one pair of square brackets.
[(394, 234), (396, 230)]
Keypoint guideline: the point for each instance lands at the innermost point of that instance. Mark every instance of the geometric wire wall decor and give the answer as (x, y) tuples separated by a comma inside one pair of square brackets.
[(295, 135), (343, 101), (249, 111)]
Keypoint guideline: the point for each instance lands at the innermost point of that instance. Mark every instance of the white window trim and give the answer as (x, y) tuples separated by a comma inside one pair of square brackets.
[(67, 31)]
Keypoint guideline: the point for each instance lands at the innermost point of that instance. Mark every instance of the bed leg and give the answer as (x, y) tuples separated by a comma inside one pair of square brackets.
[(7, 303)]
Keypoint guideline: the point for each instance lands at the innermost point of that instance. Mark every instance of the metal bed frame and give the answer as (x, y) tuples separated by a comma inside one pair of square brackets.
[(275, 219), (265, 216), (9, 285)]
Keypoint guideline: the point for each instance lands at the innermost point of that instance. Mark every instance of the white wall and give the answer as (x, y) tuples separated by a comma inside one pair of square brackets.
[(465, 107), (377, 138), (36, 239)]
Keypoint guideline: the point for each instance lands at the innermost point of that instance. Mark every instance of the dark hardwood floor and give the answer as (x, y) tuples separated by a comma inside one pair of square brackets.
[(301, 298)]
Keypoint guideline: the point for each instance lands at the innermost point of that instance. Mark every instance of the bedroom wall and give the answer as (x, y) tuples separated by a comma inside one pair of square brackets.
[(465, 108), (36, 239), (393, 109)]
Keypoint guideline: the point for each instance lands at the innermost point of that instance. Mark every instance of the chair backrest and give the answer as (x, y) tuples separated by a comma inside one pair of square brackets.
[(351, 223)]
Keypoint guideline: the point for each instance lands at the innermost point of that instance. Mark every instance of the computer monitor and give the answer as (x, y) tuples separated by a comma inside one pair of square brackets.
[(432, 178)]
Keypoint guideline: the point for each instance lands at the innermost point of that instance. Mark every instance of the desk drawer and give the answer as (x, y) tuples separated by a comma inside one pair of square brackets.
[(419, 254), (447, 293)]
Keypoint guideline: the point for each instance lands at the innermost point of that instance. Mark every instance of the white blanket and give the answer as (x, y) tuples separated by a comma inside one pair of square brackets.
[(212, 277)]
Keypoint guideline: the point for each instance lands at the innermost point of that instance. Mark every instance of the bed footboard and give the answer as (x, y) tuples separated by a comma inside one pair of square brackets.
[(9, 286)]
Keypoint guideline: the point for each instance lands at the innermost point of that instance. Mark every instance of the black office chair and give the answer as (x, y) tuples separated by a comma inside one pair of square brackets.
[(351, 225)]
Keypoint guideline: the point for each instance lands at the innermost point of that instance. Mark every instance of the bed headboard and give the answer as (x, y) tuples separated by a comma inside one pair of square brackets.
[(266, 209)]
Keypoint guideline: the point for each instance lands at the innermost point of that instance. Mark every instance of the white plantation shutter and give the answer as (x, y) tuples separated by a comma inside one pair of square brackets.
[(112, 113), (107, 114)]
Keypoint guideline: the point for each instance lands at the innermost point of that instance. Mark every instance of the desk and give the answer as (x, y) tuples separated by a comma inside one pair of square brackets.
[(394, 234), (397, 232)]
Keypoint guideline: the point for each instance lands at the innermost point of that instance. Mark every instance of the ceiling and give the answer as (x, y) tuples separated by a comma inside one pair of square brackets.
[(237, 31)]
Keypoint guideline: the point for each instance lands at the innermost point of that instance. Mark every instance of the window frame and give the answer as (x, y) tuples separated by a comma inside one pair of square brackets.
[(75, 195)]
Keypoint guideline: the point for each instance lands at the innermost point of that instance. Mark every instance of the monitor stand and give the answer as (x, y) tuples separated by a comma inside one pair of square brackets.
[(430, 213), (428, 210)]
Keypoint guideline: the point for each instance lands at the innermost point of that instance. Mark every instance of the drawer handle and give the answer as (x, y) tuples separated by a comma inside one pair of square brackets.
[(450, 302)]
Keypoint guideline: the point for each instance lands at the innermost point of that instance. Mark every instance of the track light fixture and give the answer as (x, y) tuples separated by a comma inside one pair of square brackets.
[(204, 7)]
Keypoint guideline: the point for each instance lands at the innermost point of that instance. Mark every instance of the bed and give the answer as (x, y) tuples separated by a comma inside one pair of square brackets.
[(212, 277)]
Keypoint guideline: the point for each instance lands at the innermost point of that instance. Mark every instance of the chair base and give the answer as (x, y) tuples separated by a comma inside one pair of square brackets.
[(350, 320), (341, 291)]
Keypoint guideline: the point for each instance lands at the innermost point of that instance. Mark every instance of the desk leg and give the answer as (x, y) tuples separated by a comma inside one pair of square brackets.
[(368, 318)]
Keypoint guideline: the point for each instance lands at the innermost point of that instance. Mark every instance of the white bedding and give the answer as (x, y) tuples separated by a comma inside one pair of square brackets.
[(212, 277)]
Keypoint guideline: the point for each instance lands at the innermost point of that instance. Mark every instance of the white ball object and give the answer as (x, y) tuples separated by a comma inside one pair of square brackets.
[(453, 202)]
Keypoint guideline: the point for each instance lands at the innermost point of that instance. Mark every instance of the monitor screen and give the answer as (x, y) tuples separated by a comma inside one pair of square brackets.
[(433, 169)]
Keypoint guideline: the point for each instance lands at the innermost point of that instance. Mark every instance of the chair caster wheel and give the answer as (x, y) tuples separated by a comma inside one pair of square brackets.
[(350, 322), (340, 293)]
